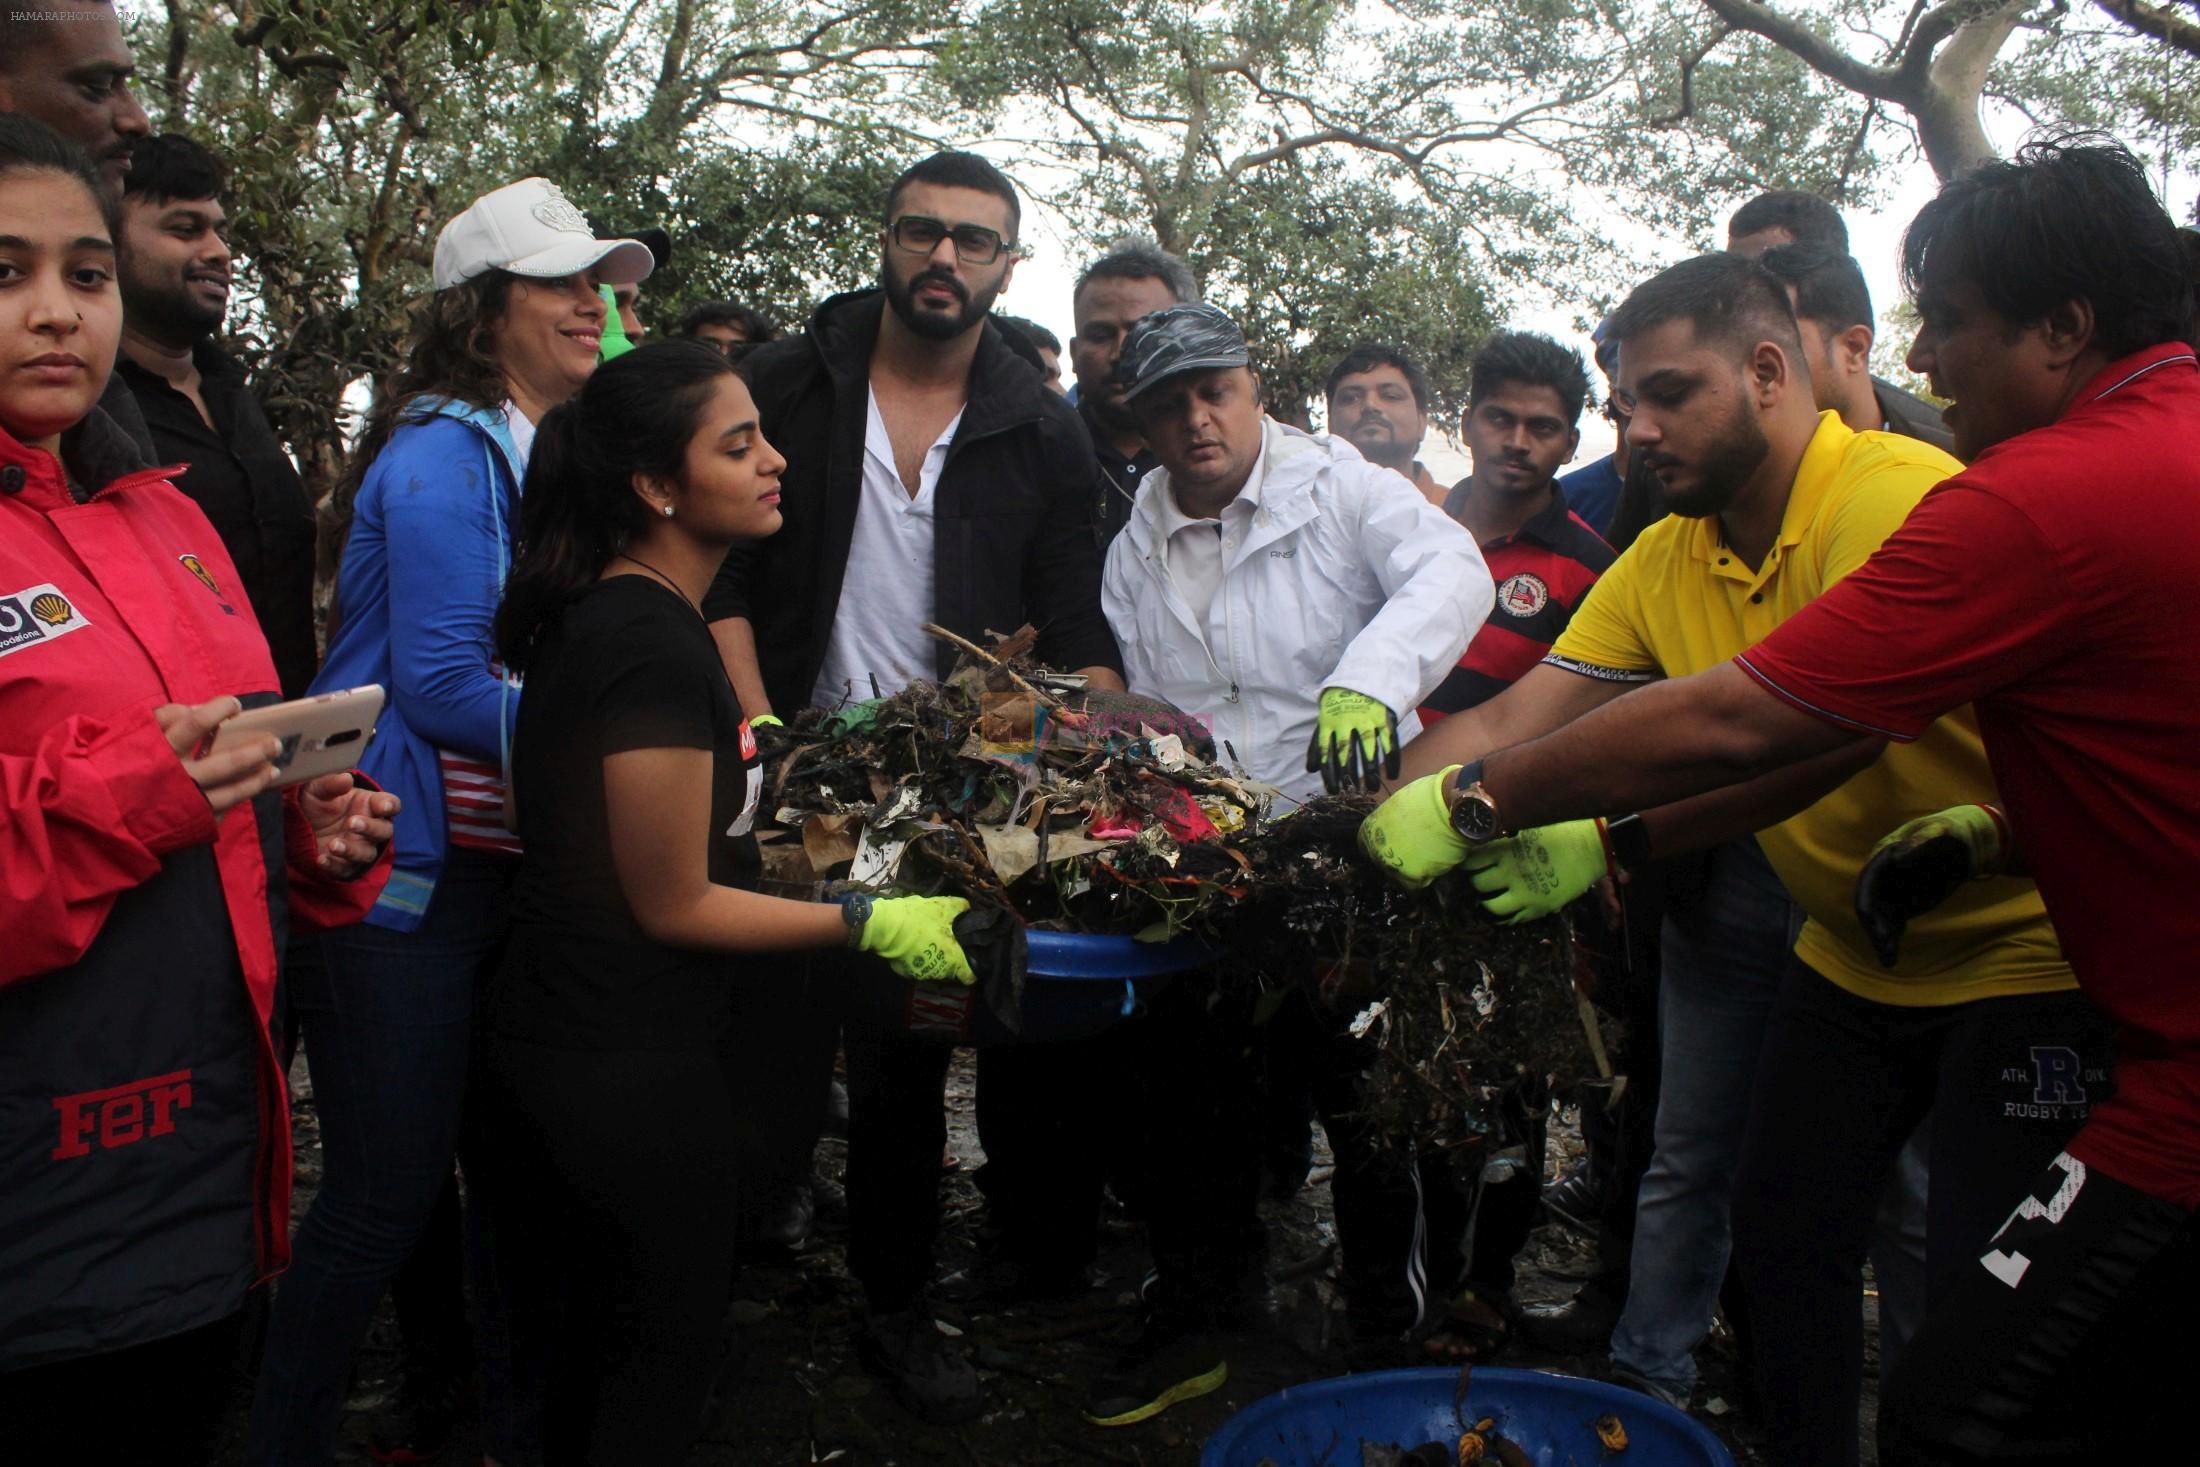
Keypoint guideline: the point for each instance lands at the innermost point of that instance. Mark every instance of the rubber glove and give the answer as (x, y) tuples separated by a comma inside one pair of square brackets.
[(615, 342), (1920, 863), (1355, 741), (766, 720), (1409, 835), (1533, 874), (916, 937)]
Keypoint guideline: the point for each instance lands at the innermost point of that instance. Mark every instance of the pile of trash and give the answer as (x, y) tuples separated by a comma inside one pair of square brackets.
[(1080, 810)]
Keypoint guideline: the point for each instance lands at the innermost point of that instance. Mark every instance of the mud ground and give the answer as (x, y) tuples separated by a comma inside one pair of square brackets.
[(793, 1391)]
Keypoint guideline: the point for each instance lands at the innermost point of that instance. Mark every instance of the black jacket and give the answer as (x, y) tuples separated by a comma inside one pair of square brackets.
[(1013, 537), (239, 474)]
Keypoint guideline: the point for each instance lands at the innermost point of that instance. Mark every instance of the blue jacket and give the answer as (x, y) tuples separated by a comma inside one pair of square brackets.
[(432, 537)]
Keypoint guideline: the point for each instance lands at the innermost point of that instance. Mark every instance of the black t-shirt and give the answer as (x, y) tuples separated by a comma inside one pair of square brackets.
[(628, 665)]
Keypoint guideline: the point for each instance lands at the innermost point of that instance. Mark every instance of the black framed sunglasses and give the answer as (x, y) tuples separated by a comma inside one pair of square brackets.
[(974, 243)]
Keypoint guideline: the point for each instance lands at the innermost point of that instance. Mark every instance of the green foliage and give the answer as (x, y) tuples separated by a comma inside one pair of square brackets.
[(1333, 169)]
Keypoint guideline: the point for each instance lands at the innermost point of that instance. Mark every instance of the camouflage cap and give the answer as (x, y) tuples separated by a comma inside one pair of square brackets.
[(1188, 338)]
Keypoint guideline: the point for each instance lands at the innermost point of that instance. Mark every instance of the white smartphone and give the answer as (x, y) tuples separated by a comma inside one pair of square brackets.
[(320, 735)]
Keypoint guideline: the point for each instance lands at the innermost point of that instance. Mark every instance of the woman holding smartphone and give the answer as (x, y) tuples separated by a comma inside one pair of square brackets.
[(432, 504), (637, 783), (145, 886)]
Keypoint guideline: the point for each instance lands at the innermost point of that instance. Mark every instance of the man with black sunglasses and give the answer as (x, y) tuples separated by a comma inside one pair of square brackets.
[(931, 477)]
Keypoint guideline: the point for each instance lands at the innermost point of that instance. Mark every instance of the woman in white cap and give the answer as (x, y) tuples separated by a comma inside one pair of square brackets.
[(431, 500)]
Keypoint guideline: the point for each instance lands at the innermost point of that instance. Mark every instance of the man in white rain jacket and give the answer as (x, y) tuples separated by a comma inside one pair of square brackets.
[(1272, 582), (1301, 602)]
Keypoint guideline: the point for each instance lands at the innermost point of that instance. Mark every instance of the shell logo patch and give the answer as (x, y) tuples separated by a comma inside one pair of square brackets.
[(197, 567), (1523, 595), (36, 615)]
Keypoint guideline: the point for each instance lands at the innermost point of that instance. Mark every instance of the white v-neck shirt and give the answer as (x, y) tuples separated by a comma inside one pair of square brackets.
[(886, 591)]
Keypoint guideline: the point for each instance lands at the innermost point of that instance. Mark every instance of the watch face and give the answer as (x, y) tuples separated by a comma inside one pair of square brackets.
[(1474, 817)]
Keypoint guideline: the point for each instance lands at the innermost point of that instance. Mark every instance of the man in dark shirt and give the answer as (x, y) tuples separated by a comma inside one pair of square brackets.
[(175, 280), (1134, 278), (1833, 310), (68, 65), (932, 478)]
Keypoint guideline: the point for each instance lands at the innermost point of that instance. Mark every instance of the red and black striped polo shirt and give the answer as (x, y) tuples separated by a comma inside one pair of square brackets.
[(1542, 572)]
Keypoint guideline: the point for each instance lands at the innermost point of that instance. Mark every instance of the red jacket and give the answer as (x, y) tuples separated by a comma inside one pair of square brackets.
[(144, 1129)]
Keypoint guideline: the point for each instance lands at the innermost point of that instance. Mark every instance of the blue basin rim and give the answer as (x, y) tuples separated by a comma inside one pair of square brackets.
[(1077, 956), (1549, 1414)]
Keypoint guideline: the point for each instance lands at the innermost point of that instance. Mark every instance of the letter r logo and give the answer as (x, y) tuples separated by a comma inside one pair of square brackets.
[(2058, 1077)]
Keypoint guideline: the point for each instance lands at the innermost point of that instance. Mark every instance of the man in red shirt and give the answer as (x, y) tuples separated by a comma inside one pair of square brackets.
[(2049, 585)]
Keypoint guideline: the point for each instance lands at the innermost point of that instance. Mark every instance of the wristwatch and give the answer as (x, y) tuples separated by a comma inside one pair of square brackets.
[(855, 910), (1473, 810)]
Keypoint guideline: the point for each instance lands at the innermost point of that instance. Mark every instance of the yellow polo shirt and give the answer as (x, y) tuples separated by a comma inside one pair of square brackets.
[(1680, 601)]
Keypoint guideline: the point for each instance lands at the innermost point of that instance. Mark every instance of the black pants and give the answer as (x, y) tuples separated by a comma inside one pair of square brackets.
[(1404, 1220), (897, 1128), (1198, 1098), (779, 1060), (2061, 1340), (624, 1163), (1052, 1117), (1842, 1084), (158, 1402)]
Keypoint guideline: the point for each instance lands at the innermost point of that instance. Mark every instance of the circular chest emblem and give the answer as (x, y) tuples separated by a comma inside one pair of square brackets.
[(1522, 595)]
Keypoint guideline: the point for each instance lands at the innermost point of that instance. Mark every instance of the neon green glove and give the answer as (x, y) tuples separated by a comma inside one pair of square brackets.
[(766, 720), (615, 342), (1536, 872), (1920, 864), (916, 936), (1355, 741), (1409, 835)]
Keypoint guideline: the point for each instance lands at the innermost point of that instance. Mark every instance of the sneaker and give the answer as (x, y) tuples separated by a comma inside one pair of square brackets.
[(1581, 1326), (929, 1376), (417, 1426), (1164, 1367), (1673, 1395), (1576, 1198)]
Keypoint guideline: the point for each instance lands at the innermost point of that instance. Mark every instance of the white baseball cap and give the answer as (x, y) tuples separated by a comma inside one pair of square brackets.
[(530, 228)]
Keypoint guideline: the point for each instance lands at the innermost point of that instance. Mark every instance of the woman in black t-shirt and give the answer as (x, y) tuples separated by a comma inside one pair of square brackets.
[(636, 781)]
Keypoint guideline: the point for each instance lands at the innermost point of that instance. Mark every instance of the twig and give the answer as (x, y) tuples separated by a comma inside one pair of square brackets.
[(1046, 700)]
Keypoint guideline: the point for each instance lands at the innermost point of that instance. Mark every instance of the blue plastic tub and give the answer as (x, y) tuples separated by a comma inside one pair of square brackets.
[(1080, 983), (1550, 1417)]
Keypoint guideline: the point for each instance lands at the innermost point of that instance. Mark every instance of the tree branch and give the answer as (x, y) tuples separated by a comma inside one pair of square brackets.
[(1822, 55), (2148, 20)]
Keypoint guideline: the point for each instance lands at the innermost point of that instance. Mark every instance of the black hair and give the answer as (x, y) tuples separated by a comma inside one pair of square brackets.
[(755, 326), (1033, 332), (2069, 218), (1533, 360), (634, 415), (448, 358), (1724, 297), (1828, 285), (1367, 357), (29, 146), (1806, 216), (170, 166), (1134, 257), (959, 170)]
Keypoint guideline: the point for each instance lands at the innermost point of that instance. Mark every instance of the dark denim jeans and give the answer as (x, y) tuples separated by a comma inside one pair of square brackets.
[(388, 1034)]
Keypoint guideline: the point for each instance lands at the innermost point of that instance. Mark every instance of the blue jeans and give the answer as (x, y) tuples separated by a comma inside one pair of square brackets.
[(1720, 964), (388, 1033)]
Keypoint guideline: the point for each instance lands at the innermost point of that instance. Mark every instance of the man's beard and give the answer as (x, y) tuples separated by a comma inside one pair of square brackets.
[(1727, 465), (902, 296), (170, 311)]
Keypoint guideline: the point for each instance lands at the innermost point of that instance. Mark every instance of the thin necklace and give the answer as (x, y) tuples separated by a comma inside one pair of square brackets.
[(660, 575)]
